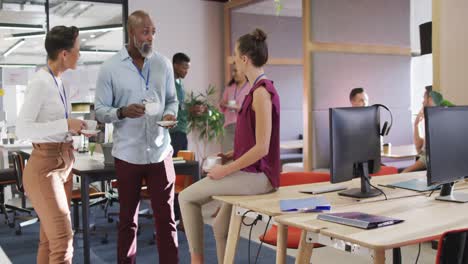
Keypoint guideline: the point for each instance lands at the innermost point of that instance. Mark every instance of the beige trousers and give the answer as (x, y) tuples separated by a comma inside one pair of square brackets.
[(48, 185), (192, 198)]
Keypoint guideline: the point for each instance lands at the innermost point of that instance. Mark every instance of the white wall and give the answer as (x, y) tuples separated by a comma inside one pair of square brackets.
[(421, 66), (454, 51), (194, 27)]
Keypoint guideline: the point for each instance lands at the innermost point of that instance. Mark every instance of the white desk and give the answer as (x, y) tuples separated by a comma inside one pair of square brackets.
[(292, 144), (12, 147), (267, 205), (401, 152), (425, 219)]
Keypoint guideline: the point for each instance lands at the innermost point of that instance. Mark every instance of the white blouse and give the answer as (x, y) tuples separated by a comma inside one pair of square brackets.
[(42, 117)]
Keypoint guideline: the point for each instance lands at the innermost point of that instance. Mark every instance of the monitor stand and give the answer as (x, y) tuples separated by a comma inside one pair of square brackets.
[(362, 171), (447, 194)]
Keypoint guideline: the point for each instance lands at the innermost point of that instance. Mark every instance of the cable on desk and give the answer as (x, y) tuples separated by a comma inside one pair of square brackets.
[(251, 225), (434, 190), (254, 222), (419, 252), (378, 189), (261, 242)]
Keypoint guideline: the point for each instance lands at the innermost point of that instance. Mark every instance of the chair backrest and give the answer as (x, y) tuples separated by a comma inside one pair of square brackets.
[(18, 165), (386, 170), (303, 177), (453, 247), (186, 154)]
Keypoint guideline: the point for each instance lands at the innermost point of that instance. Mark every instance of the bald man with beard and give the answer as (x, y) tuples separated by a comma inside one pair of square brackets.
[(135, 90)]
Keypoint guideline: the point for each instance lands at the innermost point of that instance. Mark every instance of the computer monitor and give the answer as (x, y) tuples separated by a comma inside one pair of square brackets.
[(447, 149), (355, 147)]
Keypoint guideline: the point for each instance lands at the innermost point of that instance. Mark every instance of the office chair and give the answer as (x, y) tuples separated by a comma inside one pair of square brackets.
[(20, 221), (453, 247), (7, 178), (294, 233)]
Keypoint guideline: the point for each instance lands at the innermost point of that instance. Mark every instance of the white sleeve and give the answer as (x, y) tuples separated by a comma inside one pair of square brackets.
[(27, 126)]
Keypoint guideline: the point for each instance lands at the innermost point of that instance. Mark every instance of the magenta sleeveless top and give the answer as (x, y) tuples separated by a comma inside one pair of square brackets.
[(244, 138)]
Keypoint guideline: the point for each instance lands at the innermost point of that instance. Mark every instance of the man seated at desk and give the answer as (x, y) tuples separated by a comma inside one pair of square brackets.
[(358, 97), (418, 140)]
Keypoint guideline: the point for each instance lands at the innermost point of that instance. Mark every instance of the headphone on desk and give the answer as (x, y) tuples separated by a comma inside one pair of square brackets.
[(386, 127)]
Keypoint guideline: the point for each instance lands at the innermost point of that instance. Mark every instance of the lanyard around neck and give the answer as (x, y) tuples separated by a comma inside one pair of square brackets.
[(62, 97), (141, 75), (240, 90), (258, 78)]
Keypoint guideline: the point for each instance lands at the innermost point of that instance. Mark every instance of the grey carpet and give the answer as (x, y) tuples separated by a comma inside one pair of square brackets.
[(23, 248)]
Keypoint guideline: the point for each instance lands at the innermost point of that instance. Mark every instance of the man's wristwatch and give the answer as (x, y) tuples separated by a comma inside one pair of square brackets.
[(120, 115)]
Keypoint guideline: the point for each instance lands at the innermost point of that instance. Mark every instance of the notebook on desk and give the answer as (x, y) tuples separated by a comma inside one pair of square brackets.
[(361, 220), (312, 204)]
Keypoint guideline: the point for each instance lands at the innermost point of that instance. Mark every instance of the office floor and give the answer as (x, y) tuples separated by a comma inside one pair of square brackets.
[(330, 255), (321, 255)]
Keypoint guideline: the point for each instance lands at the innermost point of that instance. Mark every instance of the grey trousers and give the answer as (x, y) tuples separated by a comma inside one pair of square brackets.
[(192, 198)]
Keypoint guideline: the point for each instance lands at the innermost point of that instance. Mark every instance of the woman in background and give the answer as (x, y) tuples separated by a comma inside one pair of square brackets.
[(231, 103), (45, 119), (255, 166)]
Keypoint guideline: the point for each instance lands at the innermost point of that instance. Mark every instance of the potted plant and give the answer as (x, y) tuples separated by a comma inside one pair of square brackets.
[(204, 119)]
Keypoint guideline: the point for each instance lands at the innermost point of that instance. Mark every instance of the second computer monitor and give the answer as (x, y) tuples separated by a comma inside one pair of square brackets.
[(447, 148), (355, 147)]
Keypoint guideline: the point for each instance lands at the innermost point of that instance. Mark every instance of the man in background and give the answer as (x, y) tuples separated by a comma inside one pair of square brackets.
[(418, 140), (358, 97), (181, 64)]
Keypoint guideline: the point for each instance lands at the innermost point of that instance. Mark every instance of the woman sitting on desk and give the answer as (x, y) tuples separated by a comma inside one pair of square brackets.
[(256, 166)]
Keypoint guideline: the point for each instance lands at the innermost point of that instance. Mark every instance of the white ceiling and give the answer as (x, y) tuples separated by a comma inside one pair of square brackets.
[(76, 13), (291, 8)]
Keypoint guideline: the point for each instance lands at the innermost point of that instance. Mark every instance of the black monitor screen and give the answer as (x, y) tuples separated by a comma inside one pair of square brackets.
[(446, 144), (354, 139)]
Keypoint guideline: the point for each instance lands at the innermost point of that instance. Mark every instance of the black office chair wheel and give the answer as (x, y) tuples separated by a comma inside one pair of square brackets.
[(18, 231), (110, 219)]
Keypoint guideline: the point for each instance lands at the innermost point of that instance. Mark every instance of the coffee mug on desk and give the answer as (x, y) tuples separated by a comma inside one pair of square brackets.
[(387, 148)]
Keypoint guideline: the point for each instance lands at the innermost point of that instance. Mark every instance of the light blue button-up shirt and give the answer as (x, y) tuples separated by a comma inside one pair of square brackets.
[(137, 140)]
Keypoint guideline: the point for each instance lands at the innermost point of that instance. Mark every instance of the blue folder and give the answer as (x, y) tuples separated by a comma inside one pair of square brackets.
[(312, 204)]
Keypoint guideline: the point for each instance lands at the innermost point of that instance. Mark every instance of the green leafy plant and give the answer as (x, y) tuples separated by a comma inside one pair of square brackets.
[(204, 116), (439, 99)]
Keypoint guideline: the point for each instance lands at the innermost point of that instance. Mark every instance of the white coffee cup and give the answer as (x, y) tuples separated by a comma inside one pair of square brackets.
[(151, 108), (91, 124), (210, 162), (232, 103)]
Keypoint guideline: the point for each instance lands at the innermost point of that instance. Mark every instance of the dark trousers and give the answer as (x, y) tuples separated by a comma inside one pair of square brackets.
[(178, 141), (160, 179)]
